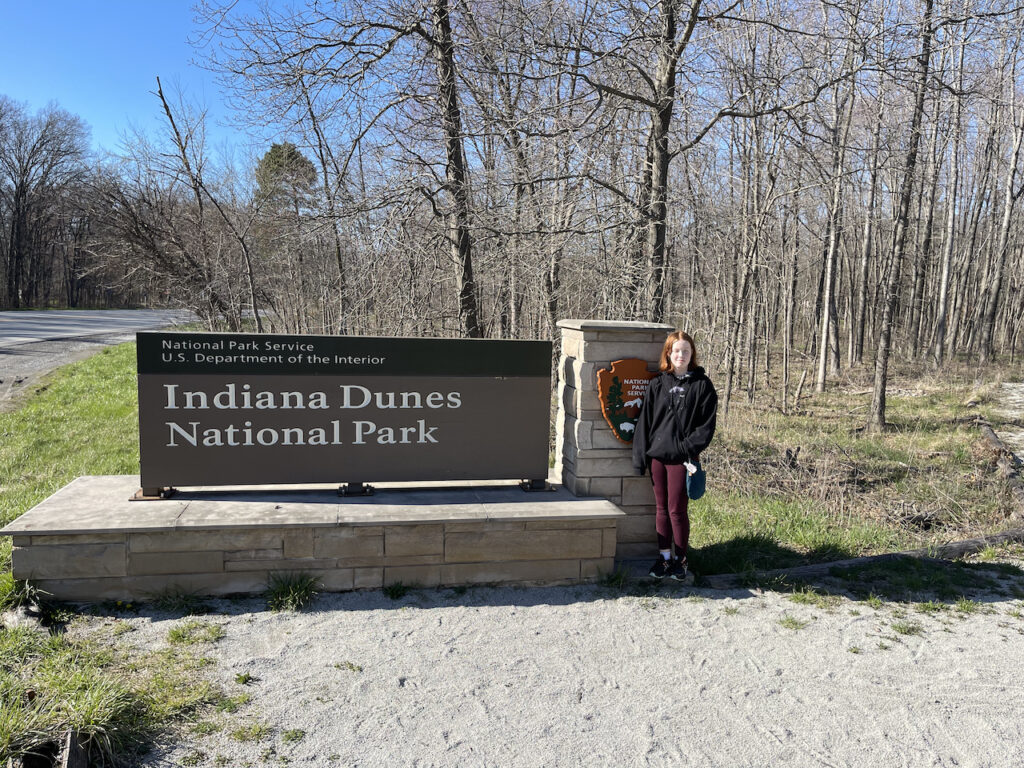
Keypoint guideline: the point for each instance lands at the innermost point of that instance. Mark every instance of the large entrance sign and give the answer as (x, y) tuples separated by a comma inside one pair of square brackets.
[(255, 409)]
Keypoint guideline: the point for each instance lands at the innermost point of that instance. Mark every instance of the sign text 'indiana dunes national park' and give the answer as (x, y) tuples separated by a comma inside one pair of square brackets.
[(245, 409)]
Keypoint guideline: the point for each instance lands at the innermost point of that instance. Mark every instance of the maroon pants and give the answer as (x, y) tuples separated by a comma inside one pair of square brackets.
[(671, 520)]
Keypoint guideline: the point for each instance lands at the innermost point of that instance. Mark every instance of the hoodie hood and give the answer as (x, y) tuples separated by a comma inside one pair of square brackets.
[(696, 373)]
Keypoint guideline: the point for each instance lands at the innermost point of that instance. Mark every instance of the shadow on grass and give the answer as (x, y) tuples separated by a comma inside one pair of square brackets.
[(914, 579), (902, 578), (758, 552)]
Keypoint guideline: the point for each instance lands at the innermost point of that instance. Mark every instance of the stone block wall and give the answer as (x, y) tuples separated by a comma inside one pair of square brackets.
[(130, 565), (589, 460)]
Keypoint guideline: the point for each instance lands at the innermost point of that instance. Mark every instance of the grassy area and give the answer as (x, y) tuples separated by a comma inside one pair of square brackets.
[(813, 486), (84, 679), (83, 420)]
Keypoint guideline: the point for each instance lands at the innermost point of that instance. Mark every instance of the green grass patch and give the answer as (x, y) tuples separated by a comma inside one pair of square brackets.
[(116, 701), (252, 732), (734, 533), (231, 704), (194, 631), (791, 622), (177, 600), (616, 579), (81, 420), (811, 596), (906, 627), (205, 728)]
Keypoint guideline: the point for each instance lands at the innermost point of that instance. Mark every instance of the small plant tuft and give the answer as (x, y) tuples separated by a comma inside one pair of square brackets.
[(397, 590), (617, 579), (245, 678), (791, 622), (810, 596), (907, 628), (874, 601), (177, 600), (348, 666), (290, 591), (15, 593), (293, 736), (967, 606)]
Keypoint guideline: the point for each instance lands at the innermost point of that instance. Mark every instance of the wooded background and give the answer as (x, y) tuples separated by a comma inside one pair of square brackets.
[(800, 184)]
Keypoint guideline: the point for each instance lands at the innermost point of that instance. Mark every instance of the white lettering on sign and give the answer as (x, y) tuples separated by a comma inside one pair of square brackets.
[(357, 396), (386, 435), (240, 396), (248, 435)]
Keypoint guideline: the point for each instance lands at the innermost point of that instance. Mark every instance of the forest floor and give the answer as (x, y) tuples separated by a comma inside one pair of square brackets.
[(910, 664)]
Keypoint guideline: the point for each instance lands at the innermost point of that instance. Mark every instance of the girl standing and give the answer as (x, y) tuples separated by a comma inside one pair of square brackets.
[(676, 423)]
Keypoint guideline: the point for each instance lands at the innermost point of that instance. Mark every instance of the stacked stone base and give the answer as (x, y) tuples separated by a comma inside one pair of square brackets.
[(592, 461), (219, 545)]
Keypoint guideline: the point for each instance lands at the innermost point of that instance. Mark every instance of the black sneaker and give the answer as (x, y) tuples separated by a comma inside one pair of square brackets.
[(677, 571), (660, 568)]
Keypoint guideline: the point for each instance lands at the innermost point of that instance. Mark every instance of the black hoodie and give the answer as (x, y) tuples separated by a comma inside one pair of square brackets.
[(677, 419)]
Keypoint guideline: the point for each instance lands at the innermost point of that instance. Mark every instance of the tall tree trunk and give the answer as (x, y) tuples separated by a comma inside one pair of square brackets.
[(457, 213), (876, 416), (939, 339)]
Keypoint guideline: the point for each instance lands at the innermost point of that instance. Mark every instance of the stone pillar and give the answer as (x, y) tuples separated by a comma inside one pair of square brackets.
[(589, 460)]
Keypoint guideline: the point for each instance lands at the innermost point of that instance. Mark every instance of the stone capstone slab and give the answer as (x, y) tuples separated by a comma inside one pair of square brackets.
[(608, 326)]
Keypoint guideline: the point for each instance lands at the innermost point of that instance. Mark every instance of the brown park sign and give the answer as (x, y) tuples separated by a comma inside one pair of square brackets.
[(255, 409), (622, 391)]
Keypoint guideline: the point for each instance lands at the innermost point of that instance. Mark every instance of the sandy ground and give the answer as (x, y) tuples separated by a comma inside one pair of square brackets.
[(597, 676)]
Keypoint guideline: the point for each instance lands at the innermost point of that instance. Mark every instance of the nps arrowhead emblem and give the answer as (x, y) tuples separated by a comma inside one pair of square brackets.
[(621, 391)]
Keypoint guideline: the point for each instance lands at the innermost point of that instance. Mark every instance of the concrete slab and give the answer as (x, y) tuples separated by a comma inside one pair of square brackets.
[(100, 504), (97, 504)]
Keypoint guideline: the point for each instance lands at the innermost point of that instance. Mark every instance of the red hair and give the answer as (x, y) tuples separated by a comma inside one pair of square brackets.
[(665, 363)]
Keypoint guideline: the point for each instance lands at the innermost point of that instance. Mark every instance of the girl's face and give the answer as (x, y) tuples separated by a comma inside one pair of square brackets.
[(679, 356)]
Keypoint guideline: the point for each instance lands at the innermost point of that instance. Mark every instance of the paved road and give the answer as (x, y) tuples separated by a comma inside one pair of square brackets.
[(18, 328), (33, 343)]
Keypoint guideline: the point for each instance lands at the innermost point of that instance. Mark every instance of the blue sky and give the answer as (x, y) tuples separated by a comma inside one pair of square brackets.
[(99, 59)]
